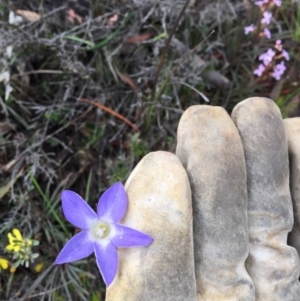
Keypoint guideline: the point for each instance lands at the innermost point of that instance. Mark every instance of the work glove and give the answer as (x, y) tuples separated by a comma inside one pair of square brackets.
[(219, 211)]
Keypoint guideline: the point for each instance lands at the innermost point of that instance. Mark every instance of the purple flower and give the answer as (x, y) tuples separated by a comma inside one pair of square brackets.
[(267, 57), (277, 2), (249, 28), (261, 3), (259, 71), (267, 33), (278, 45), (280, 67), (279, 70), (100, 233), (285, 55), (267, 18)]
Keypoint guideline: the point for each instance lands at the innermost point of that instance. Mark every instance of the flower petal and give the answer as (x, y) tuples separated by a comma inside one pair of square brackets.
[(4, 263), (78, 247), (113, 203), (11, 238), (107, 261), (9, 247), (76, 210), (17, 234), (128, 237), (13, 247)]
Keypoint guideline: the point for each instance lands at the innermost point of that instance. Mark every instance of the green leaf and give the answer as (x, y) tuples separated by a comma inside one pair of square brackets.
[(49, 205), (76, 39)]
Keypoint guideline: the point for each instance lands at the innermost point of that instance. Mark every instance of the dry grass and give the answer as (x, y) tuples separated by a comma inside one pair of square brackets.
[(50, 140)]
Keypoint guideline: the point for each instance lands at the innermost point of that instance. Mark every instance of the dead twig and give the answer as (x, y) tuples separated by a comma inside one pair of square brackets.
[(110, 111)]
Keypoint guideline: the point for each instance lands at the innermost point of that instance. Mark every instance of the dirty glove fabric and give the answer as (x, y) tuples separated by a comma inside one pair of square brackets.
[(160, 205), (292, 129), (210, 149), (272, 265)]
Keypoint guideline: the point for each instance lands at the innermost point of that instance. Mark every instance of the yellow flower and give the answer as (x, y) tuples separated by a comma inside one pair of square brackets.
[(39, 267), (12, 270), (15, 241), (3, 264)]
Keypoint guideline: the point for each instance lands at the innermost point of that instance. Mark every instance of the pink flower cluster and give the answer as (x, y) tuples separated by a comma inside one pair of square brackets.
[(266, 18), (270, 62)]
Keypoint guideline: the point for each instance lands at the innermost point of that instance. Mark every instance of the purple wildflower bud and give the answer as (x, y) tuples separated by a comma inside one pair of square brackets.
[(249, 28), (259, 71), (100, 232), (285, 55), (279, 70), (267, 18), (267, 57), (278, 45), (277, 2), (267, 33)]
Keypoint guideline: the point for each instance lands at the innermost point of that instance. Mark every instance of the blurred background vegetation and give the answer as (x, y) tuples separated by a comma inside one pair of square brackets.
[(89, 87)]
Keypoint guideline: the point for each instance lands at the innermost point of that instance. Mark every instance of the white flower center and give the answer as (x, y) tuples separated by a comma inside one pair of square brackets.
[(101, 230)]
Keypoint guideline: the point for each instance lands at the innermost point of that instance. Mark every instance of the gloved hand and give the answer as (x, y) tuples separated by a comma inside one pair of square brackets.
[(225, 239)]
